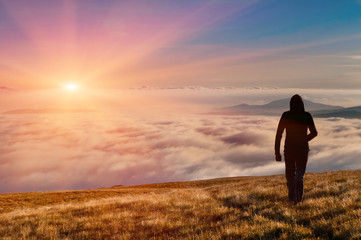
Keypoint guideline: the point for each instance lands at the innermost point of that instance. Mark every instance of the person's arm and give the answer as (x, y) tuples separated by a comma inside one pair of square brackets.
[(313, 132), (280, 129)]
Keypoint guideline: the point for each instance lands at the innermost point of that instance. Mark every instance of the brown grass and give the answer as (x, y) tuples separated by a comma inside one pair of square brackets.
[(228, 208)]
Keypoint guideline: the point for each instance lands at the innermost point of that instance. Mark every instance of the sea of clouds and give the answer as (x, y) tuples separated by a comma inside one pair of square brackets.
[(54, 151)]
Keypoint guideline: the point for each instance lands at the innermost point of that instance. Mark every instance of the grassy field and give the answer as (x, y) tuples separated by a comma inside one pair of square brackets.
[(227, 208)]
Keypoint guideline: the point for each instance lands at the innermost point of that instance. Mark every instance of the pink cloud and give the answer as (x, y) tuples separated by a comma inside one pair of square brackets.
[(80, 151)]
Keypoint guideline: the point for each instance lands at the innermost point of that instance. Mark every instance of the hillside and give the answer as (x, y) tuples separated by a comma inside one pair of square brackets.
[(351, 112), (47, 111), (277, 107), (226, 208)]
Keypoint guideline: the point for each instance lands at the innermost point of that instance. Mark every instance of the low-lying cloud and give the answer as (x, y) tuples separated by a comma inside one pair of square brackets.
[(79, 151), (138, 144)]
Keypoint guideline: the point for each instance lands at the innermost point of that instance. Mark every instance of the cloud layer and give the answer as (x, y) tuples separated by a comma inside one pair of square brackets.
[(90, 150)]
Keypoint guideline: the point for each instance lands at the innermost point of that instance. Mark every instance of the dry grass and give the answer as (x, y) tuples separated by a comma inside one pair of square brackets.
[(229, 208)]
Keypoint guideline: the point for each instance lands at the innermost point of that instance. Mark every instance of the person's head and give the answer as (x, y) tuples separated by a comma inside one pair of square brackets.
[(296, 104)]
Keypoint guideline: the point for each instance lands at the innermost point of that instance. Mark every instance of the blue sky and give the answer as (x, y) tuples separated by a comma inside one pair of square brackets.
[(277, 22)]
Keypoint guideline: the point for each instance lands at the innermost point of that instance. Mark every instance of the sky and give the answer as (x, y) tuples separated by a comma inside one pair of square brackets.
[(121, 44), (99, 93)]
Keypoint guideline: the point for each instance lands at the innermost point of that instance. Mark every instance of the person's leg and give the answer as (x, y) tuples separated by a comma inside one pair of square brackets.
[(301, 163), (290, 175)]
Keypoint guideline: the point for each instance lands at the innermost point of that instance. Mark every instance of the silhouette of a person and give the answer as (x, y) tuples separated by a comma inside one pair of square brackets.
[(297, 122)]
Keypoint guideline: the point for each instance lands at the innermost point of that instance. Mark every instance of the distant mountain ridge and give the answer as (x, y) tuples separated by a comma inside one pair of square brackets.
[(47, 110), (277, 107)]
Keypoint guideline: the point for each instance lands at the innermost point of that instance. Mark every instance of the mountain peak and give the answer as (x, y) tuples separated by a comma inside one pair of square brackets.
[(277, 107), (309, 105)]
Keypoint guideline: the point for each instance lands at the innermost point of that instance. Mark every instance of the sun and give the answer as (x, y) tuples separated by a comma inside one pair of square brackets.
[(71, 87)]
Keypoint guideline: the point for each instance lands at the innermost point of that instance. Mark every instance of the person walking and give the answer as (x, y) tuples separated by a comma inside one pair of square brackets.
[(297, 122)]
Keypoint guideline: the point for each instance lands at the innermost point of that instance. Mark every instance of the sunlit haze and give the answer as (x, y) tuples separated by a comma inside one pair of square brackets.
[(72, 87), (102, 92)]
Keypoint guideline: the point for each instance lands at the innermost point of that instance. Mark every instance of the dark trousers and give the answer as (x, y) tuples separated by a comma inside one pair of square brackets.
[(295, 170)]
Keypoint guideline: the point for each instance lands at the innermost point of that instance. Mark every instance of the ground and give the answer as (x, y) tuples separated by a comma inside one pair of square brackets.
[(226, 208)]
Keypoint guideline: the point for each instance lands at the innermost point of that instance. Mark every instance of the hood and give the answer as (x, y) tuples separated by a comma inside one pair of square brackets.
[(296, 104)]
